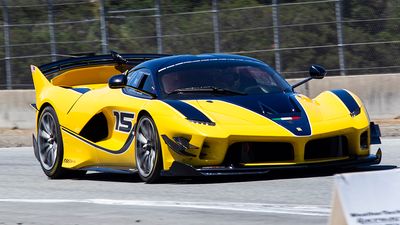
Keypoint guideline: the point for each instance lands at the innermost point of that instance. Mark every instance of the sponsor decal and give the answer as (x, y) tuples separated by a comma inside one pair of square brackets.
[(69, 161), (287, 118), (123, 121)]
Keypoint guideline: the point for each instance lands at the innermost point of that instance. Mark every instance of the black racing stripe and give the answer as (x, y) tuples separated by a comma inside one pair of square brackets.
[(116, 152), (348, 100), (190, 112), (293, 125), (276, 106)]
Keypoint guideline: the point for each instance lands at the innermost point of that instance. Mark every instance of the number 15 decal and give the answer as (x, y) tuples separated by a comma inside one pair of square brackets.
[(123, 121)]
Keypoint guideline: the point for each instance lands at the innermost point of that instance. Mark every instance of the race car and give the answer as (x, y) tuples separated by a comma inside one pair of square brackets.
[(190, 115)]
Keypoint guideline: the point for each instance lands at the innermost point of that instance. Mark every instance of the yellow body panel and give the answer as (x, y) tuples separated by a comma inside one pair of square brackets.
[(327, 115), (77, 154), (85, 75)]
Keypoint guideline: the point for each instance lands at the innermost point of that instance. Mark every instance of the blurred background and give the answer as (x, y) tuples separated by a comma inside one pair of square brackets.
[(348, 37)]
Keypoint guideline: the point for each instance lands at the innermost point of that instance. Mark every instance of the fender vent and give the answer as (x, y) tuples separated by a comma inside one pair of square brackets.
[(96, 129)]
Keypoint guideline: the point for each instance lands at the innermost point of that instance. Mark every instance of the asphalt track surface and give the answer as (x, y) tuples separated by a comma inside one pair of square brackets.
[(288, 197)]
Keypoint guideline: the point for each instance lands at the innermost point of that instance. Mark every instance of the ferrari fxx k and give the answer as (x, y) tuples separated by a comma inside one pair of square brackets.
[(188, 115)]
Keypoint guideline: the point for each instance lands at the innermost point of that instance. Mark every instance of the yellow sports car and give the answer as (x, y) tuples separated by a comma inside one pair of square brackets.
[(188, 115)]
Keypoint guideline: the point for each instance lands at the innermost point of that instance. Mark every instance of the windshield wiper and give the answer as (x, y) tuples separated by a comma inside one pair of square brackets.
[(206, 89)]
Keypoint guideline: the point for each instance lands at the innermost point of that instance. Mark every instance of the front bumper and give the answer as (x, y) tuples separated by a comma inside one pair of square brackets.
[(181, 169)]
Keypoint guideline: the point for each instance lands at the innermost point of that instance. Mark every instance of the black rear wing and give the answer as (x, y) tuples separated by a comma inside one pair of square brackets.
[(70, 63)]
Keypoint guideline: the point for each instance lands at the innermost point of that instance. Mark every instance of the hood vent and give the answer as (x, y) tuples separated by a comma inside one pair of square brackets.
[(266, 110), (291, 107)]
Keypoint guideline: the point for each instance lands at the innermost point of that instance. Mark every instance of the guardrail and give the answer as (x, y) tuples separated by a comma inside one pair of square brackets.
[(380, 94)]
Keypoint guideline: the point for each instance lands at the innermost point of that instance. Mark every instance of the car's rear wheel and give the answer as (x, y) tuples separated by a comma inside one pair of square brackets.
[(148, 150), (50, 146)]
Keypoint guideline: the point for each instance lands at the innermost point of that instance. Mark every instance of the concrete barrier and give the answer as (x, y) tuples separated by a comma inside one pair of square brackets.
[(380, 94), (15, 110)]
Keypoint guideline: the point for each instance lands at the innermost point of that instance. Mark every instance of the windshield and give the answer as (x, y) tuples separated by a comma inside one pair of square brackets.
[(227, 76)]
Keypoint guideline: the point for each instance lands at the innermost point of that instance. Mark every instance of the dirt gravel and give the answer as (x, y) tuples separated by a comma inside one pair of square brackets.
[(15, 137), (23, 137)]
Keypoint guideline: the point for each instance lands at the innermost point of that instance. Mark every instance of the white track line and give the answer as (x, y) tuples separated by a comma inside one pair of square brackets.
[(305, 210)]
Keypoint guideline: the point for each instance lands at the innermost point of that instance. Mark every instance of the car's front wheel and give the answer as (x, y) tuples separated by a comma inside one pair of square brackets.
[(148, 150)]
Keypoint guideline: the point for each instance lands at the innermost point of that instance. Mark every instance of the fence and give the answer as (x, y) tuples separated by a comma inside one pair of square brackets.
[(347, 37)]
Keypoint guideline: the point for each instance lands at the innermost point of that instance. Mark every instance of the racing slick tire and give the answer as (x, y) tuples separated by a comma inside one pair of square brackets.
[(148, 150), (50, 146)]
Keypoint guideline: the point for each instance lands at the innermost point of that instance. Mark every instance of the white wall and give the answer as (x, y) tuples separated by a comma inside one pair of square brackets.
[(380, 94), (15, 110)]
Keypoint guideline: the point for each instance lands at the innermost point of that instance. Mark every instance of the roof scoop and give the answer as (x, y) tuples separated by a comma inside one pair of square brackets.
[(266, 110)]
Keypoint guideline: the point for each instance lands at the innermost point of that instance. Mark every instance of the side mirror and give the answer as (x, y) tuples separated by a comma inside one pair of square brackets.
[(317, 72), (117, 81)]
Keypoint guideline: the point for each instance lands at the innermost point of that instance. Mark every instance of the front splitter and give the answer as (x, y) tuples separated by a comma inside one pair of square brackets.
[(181, 169)]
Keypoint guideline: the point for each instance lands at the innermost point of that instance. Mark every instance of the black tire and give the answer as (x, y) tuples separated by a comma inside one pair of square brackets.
[(50, 146), (148, 150)]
